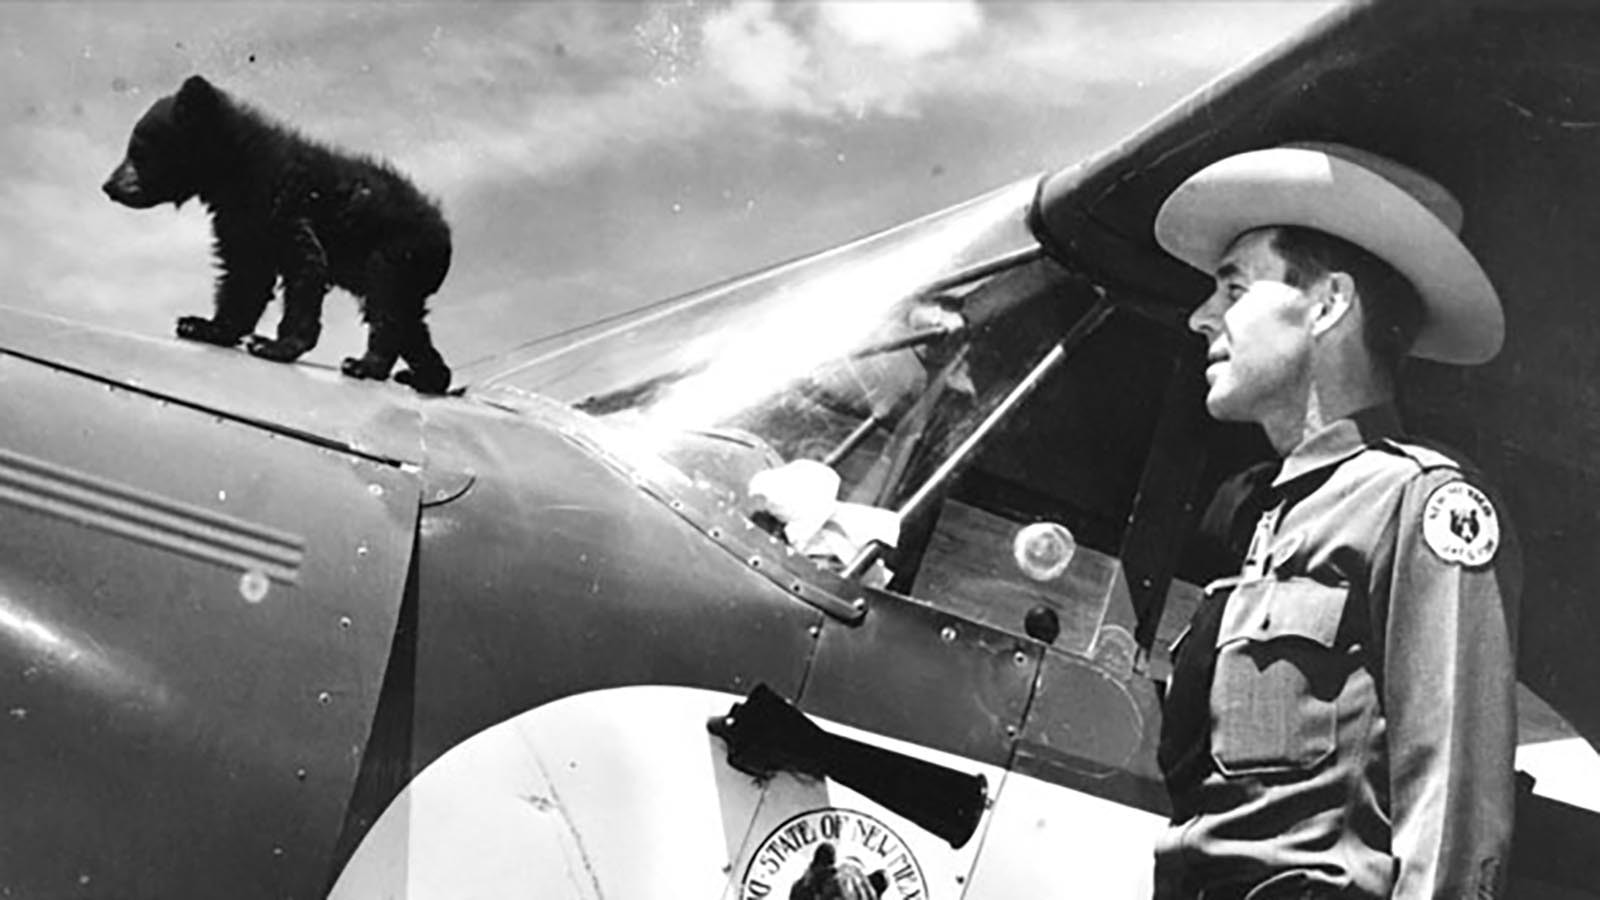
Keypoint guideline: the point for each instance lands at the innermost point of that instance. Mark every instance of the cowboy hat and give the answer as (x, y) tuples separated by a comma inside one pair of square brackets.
[(1394, 212)]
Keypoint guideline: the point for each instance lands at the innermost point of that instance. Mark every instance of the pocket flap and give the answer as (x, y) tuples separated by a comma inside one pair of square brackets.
[(1292, 607)]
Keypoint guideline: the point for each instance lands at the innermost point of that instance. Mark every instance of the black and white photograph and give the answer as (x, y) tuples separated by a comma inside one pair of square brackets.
[(800, 450)]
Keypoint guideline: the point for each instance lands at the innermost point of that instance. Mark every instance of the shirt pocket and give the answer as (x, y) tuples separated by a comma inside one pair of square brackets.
[(1278, 675)]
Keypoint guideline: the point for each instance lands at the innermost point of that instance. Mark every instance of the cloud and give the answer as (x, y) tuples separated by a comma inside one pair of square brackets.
[(558, 135), (759, 55), (70, 250), (831, 59), (1050, 54), (854, 58), (905, 29)]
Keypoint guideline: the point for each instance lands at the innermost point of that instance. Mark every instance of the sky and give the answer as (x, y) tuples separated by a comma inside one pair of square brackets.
[(591, 157)]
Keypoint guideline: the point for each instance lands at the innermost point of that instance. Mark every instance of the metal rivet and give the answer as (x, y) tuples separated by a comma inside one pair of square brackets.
[(324, 698), (947, 634), (344, 622), (277, 851), (375, 489), (716, 534), (300, 774), (361, 550), (1021, 658), (814, 631), (858, 604), (1011, 731), (755, 562)]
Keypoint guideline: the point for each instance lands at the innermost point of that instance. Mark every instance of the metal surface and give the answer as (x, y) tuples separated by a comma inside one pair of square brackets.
[(377, 420), (554, 574), (835, 593), (927, 676), (38, 486), (194, 618)]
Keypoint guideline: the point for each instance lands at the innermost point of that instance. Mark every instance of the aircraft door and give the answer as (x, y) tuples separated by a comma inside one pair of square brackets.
[(195, 615)]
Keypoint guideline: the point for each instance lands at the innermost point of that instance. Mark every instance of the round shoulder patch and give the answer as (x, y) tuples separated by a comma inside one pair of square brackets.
[(1460, 525)]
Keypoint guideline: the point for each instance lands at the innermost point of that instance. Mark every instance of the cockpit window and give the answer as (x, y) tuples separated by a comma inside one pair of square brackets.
[(819, 395)]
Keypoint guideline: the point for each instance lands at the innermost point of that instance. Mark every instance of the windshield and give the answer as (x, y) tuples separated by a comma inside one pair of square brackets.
[(826, 389)]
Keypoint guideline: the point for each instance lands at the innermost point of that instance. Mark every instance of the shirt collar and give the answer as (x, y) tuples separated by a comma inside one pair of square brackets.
[(1338, 441)]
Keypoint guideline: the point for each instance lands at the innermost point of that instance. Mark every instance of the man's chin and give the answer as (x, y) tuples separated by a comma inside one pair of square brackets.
[(1223, 407)]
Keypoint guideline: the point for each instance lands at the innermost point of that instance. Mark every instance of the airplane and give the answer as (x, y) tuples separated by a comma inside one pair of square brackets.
[(859, 568)]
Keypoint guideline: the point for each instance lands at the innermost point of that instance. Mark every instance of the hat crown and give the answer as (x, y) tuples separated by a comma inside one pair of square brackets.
[(1432, 195)]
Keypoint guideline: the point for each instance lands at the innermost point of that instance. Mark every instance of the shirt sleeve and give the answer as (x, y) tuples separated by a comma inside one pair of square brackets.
[(1448, 614)]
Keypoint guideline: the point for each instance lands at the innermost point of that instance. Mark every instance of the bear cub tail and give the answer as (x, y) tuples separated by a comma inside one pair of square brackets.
[(287, 209)]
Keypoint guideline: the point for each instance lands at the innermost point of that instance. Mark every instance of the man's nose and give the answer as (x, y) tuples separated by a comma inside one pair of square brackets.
[(1204, 319)]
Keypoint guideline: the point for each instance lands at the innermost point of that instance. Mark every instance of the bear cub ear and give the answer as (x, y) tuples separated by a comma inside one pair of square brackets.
[(196, 99)]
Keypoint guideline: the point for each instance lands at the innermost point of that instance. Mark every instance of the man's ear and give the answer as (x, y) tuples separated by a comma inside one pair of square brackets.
[(1336, 300)]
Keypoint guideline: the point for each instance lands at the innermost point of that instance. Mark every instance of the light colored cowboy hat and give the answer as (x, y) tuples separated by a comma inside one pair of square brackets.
[(1394, 212)]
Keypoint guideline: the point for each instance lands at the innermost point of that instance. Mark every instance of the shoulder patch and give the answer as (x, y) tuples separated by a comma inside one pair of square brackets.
[(1460, 525)]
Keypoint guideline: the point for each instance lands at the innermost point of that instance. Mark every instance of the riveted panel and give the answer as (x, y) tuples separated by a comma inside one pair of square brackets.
[(920, 674), (195, 615)]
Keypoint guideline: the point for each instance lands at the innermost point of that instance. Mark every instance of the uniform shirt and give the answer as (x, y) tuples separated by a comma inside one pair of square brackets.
[(1359, 681)]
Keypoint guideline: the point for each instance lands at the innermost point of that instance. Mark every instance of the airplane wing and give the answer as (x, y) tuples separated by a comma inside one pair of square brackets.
[(1501, 103)]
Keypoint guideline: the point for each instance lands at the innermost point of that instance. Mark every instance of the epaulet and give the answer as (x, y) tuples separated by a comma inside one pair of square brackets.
[(1426, 456)]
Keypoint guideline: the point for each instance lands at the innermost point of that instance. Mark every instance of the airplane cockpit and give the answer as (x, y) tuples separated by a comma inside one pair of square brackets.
[(888, 409), (944, 414)]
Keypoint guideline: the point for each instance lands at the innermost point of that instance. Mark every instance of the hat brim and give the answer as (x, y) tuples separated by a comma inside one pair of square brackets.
[(1462, 322)]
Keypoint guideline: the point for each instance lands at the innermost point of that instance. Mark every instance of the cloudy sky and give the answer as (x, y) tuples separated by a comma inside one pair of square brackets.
[(591, 156)]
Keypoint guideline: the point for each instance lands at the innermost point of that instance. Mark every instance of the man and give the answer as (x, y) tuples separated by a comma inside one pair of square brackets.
[(1341, 716)]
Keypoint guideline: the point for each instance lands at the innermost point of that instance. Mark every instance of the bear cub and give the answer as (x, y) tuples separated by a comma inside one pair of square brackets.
[(285, 207)]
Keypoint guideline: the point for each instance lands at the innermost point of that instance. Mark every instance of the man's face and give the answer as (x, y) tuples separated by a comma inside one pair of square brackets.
[(1258, 334)]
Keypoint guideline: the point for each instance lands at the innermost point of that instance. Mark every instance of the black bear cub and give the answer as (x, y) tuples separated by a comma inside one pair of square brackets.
[(286, 207)]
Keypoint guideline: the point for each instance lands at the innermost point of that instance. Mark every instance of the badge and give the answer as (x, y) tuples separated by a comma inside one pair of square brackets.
[(1460, 525), (833, 853)]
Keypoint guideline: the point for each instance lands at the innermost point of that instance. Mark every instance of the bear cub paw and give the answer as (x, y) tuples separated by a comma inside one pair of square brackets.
[(365, 367), (199, 328), (276, 350), (425, 381)]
